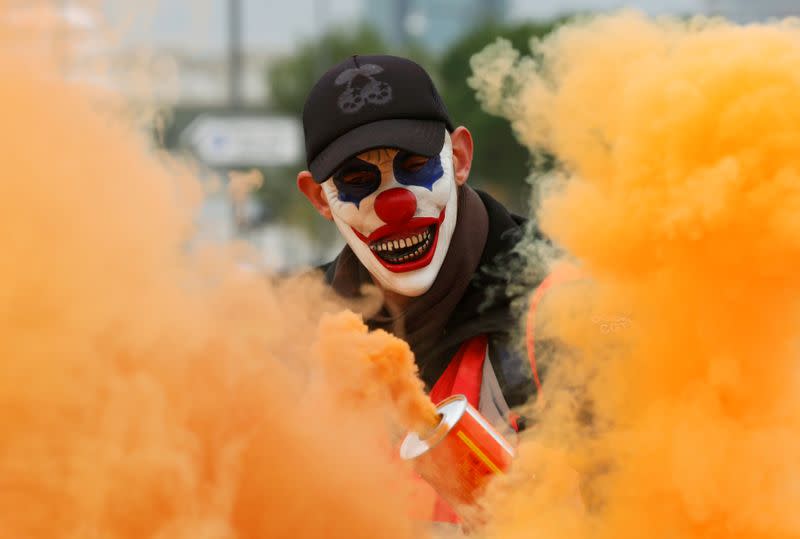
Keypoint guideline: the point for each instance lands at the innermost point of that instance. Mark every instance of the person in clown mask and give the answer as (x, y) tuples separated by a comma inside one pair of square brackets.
[(390, 169)]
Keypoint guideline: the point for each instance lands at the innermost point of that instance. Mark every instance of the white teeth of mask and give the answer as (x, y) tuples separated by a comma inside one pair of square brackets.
[(388, 260), (411, 241)]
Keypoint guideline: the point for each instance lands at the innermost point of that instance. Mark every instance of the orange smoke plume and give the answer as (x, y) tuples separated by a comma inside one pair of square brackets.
[(144, 394), (679, 197), (385, 362)]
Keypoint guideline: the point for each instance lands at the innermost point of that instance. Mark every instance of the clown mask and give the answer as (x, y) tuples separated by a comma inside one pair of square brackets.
[(397, 211)]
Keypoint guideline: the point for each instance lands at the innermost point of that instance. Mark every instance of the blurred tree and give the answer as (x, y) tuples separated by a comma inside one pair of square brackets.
[(290, 78), (501, 164)]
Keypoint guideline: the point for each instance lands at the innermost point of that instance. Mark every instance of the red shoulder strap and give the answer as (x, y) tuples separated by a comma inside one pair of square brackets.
[(561, 275), (464, 374)]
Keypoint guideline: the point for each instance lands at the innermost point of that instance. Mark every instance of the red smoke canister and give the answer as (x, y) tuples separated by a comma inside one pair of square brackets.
[(458, 456)]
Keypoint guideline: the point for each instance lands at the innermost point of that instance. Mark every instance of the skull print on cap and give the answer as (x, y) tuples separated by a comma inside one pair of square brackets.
[(362, 88)]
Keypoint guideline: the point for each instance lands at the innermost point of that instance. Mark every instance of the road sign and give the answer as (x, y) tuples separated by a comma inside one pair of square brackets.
[(244, 141)]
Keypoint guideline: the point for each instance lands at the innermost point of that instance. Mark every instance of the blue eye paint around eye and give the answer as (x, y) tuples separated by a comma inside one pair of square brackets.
[(424, 177), (355, 193)]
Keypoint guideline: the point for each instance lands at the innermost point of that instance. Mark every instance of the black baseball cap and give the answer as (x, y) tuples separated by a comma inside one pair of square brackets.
[(368, 102)]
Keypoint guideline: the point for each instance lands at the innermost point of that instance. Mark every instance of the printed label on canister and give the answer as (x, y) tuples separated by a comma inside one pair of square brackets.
[(475, 466), (465, 453)]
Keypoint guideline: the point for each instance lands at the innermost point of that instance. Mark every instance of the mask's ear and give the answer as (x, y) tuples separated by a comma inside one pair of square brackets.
[(314, 193), (462, 153)]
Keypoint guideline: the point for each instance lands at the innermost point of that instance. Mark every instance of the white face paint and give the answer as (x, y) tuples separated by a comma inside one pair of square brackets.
[(397, 220)]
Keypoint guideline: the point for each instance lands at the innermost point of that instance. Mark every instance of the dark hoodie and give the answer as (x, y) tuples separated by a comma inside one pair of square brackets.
[(469, 297)]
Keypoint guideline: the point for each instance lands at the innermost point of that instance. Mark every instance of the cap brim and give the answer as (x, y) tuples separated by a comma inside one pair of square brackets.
[(424, 137)]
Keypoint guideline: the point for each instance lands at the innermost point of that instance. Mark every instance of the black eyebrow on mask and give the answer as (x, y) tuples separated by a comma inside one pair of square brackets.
[(354, 164), (403, 155)]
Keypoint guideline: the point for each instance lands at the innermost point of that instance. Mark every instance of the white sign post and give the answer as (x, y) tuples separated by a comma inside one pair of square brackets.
[(244, 141)]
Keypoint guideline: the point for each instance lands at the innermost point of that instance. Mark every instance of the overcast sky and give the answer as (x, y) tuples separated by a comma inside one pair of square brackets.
[(278, 25), (549, 8), (201, 24)]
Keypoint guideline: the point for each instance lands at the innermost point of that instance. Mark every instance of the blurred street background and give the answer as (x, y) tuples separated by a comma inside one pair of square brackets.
[(230, 78)]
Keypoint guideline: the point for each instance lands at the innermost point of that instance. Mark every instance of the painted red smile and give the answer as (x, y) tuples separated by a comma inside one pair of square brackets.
[(406, 247)]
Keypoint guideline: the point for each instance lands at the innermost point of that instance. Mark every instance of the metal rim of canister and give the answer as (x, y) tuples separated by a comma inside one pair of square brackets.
[(451, 410)]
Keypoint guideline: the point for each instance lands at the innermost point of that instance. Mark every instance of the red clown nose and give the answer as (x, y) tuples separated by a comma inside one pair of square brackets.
[(396, 206)]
